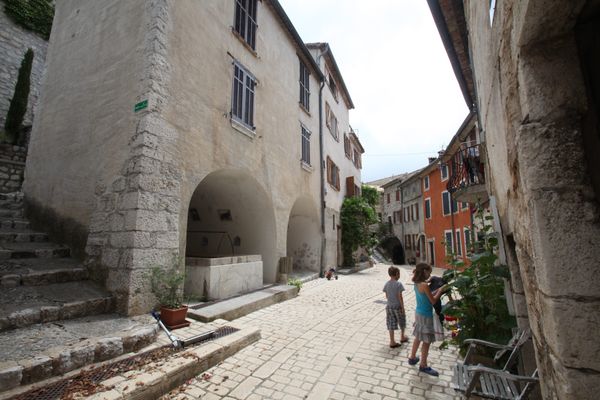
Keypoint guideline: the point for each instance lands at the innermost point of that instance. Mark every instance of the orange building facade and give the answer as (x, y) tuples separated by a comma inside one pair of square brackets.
[(447, 223)]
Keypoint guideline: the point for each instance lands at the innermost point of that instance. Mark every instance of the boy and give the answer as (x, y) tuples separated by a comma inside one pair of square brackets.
[(394, 312)]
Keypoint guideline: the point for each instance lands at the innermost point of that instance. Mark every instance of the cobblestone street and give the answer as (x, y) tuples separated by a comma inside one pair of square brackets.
[(330, 342)]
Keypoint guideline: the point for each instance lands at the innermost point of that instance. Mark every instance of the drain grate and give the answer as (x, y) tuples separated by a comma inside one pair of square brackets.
[(88, 382)]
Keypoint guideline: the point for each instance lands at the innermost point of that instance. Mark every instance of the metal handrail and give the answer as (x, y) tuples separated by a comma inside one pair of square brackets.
[(467, 169), (223, 234)]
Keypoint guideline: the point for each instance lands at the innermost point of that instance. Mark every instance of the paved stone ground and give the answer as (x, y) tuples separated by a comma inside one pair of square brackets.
[(330, 342)]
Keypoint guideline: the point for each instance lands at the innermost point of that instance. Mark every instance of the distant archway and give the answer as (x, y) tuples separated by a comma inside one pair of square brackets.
[(303, 236), (394, 250), (231, 214)]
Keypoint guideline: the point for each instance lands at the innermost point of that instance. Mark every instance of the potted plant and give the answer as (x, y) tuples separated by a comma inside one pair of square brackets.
[(165, 284)]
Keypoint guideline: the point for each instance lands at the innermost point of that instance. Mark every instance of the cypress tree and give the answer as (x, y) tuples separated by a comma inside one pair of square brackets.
[(18, 104)]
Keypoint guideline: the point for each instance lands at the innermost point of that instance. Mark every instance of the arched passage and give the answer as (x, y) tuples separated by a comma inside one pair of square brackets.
[(394, 250), (303, 236), (230, 215)]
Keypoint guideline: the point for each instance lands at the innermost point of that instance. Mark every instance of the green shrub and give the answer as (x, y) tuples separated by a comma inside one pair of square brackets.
[(295, 282), (357, 216), (33, 15), (18, 104), (166, 284), (477, 294)]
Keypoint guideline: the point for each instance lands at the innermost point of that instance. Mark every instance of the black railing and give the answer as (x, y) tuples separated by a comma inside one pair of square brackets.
[(467, 169)]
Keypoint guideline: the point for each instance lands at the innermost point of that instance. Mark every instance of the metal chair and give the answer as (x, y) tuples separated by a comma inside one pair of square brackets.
[(491, 383)]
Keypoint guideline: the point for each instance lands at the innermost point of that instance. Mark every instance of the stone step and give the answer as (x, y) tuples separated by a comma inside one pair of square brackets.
[(40, 271), (27, 305), (40, 351), (8, 213), (14, 223), (242, 305), (33, 250), (22, 236)]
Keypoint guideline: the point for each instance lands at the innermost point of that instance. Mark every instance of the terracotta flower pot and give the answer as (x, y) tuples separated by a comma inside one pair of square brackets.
[(174, 318)]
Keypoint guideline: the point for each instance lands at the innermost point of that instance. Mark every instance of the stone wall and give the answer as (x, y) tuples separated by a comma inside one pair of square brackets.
[(12, 165), (14, 42), (532, 100)]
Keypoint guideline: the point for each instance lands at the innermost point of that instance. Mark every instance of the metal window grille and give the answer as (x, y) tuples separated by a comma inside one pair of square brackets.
[(245, 21), (305, 145), (304, 86), (242, 103)]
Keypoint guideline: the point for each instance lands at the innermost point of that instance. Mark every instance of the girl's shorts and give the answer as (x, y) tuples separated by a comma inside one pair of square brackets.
[(423, 328)]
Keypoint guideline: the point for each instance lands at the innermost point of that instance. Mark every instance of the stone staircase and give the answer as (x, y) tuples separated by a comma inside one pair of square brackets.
[(44, 292)]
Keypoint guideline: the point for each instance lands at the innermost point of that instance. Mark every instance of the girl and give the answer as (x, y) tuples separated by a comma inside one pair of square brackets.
[(423, 327)]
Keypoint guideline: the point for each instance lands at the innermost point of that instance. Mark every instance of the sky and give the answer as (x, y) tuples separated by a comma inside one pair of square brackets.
[(408, 104)]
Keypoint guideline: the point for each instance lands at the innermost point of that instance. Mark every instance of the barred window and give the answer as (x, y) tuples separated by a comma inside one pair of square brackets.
[(245, 21), (242, 103)]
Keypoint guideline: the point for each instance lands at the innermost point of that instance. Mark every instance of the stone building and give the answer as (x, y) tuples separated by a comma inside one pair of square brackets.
[(180, 129), (402, 210), (535, 69), (342, 150), (14, 42)]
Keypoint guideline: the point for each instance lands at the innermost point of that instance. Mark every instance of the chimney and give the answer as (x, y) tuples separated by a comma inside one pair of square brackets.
[(431, 159)]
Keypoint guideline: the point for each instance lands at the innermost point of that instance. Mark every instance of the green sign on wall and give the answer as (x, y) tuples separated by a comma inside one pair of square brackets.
[(140, 106)]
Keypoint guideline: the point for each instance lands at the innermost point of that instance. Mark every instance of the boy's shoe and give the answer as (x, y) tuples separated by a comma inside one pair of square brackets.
[(413, 361), (429, 371)]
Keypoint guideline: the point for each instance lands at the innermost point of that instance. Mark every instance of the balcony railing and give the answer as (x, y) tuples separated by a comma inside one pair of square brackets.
[(467, 173)]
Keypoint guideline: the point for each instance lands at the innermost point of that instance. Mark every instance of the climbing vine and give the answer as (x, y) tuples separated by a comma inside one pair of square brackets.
[(34, 15)]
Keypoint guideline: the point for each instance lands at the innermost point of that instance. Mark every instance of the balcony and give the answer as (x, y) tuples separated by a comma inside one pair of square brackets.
[(467, 181)]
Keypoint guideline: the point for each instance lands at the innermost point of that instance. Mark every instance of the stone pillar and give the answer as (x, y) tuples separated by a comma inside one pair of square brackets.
[(136, 222), (560, 252)]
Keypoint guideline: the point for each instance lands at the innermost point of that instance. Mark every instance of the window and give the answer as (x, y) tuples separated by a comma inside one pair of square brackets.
[(412, 212), (242, 103), (388, 198), (357, 161), (331, 83), (454, 206), (416, 212), (465, 205), (397, 195), (407, 241), (405, 214), (347, 147), (305, 145), (245, 21), (458, 243), (444, 172), (445, 203), (304, 86), (467, 240), (333, 225), (428, 208), (426, 182), (331, 121), (333, 174), (448, 242)]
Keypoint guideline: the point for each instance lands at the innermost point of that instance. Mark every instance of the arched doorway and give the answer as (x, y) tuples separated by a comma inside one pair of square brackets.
[(231, 236), (303, 237), (394, 250)]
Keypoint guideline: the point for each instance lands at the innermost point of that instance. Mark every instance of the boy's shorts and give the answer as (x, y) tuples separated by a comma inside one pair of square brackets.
[(394, 318)]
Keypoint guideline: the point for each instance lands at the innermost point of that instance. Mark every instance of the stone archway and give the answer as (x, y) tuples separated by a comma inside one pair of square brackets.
[(231, 236), (394, 250), (303, 237)]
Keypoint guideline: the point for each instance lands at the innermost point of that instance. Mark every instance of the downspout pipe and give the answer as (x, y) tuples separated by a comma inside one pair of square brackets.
[(321, 168)]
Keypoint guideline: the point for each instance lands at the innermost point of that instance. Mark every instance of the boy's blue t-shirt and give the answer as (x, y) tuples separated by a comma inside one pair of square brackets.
[(391, 289)]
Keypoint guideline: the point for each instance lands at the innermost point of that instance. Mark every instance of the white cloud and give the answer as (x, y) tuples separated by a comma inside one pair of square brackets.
[(397, 72)]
